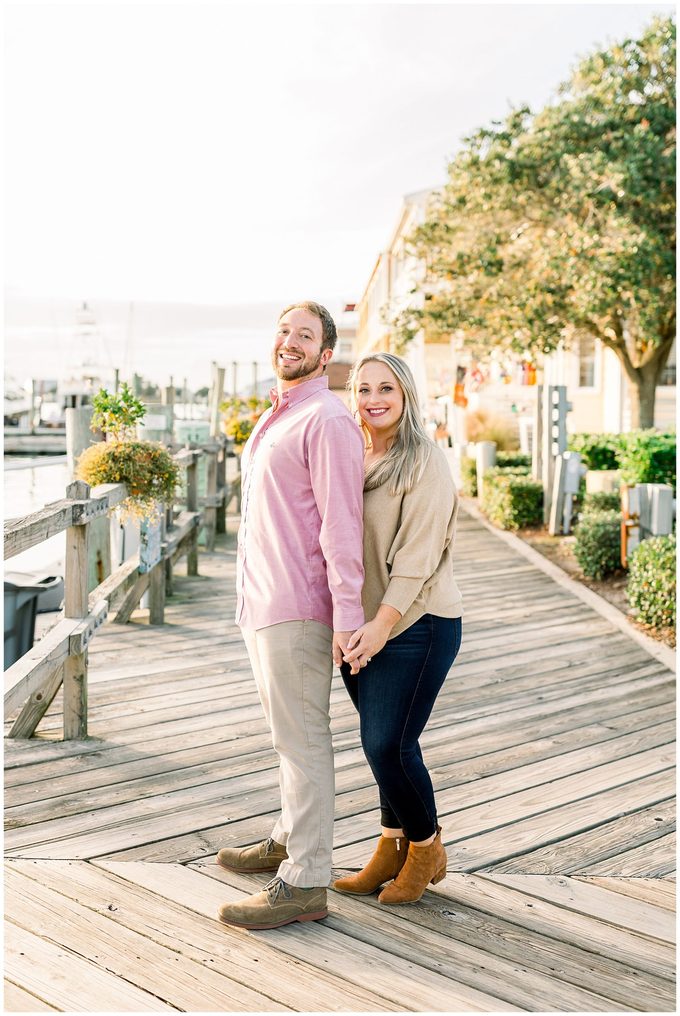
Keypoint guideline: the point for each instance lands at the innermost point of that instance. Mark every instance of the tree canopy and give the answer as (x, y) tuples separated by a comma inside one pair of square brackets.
[(561, 223)]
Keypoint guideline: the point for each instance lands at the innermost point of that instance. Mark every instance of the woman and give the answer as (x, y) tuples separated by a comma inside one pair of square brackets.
[(397, 662)]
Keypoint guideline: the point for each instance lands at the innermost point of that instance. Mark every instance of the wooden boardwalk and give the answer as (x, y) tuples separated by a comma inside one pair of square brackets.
[(551, 749)]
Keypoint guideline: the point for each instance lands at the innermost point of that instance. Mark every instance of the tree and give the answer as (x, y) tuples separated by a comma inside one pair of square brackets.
[(562, 223)]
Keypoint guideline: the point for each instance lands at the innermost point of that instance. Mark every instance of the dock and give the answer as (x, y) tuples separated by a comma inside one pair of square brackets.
[(551, 748)]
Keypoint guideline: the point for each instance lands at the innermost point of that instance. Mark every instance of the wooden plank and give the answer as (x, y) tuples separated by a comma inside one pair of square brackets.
[(151, 775), (131, 956), (485, 803), (26, 532), (25, 676), (368, 966), (118, 582), (483, 809), (531, 956), (659, 892), (75, 697), (483, 893), (572, 854), (157, 594), (37, 704), (598, 901), (656, 859), (132, 598), (201, 939), (52, 973), (15, 999)]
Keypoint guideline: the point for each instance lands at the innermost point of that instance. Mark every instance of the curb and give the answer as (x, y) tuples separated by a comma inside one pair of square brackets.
[(658, 650)]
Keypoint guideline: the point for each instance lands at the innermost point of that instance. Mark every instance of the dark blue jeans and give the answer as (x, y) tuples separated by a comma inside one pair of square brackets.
[(394, 695)]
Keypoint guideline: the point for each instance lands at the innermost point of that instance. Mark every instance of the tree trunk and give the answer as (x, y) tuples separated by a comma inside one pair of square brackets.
[(643, 380), (643, 397)]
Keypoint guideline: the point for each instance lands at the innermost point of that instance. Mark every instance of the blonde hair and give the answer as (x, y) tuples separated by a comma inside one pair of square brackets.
[(403, 464)]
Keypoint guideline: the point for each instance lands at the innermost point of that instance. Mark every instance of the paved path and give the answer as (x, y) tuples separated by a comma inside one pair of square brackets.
[(551, 749)]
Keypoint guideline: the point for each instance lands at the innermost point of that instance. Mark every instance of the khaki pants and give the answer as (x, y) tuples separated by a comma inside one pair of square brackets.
[(292, 663)]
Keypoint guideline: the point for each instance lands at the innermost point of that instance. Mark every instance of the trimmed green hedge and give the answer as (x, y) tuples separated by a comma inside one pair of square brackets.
[(468, 475), (647, 456), (513, 460), (598, 543), (598, 451), (512, 500), (601, 501), (643, 456), (651, 582), (506, 462)]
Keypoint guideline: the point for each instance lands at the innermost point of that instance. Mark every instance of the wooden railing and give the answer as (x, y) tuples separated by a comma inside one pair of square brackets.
[(60, 657)]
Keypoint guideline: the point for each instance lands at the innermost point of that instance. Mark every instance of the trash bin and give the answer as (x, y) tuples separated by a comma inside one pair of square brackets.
[(21, 604), (52, 586)]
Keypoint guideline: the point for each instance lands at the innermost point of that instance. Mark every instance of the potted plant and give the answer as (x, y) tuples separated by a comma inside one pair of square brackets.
[(146, 467)]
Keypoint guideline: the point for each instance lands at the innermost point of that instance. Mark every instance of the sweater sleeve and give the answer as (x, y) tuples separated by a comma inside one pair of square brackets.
[(336, 468), (424, 532)]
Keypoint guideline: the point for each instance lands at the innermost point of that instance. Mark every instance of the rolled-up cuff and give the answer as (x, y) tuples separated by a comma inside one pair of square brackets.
[(401, 593)]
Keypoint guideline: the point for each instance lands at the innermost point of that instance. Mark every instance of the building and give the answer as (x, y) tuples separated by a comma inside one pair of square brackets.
[(504, 386)]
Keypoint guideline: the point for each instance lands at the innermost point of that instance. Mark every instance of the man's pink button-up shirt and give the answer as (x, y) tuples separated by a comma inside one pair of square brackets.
[(300, 551)]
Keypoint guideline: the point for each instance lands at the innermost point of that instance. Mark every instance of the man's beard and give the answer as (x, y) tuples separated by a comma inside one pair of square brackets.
[(294, 373)]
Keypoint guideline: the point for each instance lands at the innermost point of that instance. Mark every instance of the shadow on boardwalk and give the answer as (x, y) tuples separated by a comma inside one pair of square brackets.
[(551, 750)]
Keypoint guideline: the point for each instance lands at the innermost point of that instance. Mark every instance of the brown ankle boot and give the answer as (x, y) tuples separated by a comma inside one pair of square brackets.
[(387, 861), (423, 865)]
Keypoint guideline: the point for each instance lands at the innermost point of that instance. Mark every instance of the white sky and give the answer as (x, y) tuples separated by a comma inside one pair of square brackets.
[(228, 153)]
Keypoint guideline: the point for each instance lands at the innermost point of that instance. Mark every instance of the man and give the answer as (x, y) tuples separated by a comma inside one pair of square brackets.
[(299, 579)]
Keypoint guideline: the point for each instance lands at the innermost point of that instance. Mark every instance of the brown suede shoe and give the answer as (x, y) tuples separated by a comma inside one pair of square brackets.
[(423, 865), (264, 856), (278, 904), (387, 861)]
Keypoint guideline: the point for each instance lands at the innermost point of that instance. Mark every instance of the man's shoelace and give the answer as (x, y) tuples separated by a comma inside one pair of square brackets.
[(277, 887), (269, 846)]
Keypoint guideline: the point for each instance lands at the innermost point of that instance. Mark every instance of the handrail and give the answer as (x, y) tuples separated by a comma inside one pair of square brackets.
[(61, 656)]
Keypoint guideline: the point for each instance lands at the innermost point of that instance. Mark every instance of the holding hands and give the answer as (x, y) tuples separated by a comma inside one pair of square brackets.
[(368, 640)]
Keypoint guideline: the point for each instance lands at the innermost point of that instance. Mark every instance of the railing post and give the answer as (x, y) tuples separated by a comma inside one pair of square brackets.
[(221, 512), (211, 491), (157, 587), (76, 606), (192, 506), (169, 526)]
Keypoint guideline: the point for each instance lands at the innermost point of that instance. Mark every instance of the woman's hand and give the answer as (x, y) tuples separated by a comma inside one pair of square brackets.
[(368, 640)]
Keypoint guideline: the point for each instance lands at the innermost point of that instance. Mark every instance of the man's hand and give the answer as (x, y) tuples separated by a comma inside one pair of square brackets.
[(340, 640), (365, 643)]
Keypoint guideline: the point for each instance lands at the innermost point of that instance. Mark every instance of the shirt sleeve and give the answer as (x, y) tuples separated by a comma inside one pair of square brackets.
[(336, 469), (424, 533)]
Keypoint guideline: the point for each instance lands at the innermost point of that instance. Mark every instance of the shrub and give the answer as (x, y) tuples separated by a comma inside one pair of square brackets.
[(651, 582), (481, 425), (598, 543), (647, 456), (468, 475), (598, 451), (601, 501), (513, 460), (146, 467), (512, 501)]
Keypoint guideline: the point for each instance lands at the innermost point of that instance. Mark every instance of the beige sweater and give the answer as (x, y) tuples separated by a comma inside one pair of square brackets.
[(408, 540)]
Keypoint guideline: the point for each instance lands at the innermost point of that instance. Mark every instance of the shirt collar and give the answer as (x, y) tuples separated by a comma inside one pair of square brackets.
[(299, 392)]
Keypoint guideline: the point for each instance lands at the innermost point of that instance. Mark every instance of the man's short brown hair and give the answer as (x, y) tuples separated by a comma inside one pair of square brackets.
[(329, 335)]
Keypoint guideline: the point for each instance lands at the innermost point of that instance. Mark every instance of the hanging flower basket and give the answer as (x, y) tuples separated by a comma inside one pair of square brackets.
[(146, 467)]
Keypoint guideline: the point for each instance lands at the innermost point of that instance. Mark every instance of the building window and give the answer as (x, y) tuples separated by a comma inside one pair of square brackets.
[(586, 362)]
